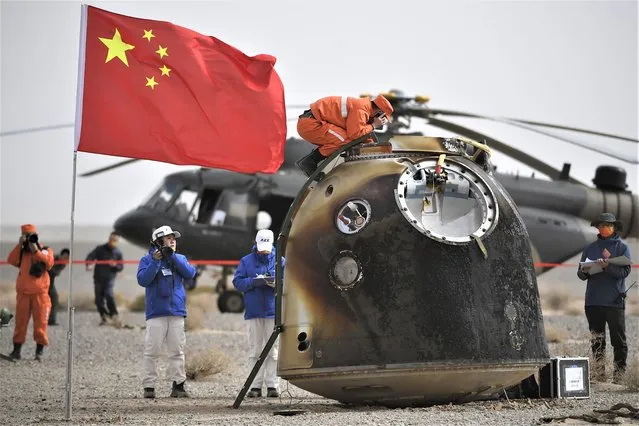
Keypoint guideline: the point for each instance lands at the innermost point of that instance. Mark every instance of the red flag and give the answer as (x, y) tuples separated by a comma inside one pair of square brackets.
[(154, 90)]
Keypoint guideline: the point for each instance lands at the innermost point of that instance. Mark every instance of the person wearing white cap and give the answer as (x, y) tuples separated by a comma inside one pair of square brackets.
[(255, 278), (162, 272)]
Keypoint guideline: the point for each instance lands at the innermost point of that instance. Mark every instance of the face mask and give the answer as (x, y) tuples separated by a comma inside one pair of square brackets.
[(606, 231)]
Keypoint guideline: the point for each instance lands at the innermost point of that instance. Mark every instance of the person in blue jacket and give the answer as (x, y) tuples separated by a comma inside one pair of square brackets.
[(162, 272), (605, 295), (255, 278)]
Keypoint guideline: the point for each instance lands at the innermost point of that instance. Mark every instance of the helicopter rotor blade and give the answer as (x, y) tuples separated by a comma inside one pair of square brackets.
[(36, 129), (518, 155), (533, 123), (569, 141), (111, 167)]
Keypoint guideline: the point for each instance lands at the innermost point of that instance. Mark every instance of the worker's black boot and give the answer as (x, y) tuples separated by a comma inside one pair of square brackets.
[(16, 351), (309, 163), (39, 352), (178, 391)]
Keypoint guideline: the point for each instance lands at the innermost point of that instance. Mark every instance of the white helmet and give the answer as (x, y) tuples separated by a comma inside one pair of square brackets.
[(163, 231)]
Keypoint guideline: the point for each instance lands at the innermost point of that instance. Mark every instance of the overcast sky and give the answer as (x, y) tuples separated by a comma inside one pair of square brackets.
[(571, 62)]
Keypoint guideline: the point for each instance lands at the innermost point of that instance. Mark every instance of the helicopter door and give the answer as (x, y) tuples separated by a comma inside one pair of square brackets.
[(235, 209)]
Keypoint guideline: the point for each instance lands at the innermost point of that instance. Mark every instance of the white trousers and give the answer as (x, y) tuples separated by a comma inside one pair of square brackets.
[(259, 331), (161, 331)]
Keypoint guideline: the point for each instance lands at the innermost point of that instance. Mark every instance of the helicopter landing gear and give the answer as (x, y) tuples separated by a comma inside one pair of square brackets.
[(231, 301), (228, 300)]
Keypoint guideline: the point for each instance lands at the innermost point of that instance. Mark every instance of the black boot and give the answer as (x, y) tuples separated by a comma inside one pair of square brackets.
[(39, 352), (149, 393), (178, 391), (309, 163), (16, 351)]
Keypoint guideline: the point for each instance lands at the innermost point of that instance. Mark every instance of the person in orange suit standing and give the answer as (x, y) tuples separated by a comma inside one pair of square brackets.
[(32, 288), (334, 121)]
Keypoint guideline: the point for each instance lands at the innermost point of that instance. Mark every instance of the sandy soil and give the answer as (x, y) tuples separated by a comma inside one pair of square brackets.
[(107, 385)]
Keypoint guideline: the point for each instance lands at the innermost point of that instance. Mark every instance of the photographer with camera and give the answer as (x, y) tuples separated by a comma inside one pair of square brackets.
[(32, 288), (162, 273)]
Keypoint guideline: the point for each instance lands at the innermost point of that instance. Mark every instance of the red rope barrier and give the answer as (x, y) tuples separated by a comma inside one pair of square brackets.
[(236, 262)]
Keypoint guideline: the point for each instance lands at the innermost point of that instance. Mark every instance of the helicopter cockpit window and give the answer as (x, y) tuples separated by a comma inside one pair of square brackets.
[(185, 206), (236, 209), (162, 196), (451, 206)]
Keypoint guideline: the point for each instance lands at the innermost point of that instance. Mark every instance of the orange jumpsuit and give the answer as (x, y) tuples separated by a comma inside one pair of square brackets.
[(338, 121), (32, 294)]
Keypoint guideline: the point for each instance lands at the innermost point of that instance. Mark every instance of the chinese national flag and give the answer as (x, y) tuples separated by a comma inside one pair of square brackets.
[(157, 91)]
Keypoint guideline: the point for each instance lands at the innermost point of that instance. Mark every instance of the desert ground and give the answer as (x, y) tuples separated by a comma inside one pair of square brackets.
[(107, 364)]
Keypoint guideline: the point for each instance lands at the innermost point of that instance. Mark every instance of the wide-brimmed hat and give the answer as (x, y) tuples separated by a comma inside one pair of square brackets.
[(607, 218)]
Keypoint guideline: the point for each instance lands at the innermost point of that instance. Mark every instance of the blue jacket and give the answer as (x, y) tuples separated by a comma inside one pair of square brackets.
[(259, 300), (163, 280), (604, 288)]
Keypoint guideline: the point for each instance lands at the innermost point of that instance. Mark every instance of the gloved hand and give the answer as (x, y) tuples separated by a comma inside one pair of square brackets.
[(270, 281)]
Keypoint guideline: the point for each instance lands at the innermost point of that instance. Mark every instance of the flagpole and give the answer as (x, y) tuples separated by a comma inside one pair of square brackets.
[(78, 129), (70, 307)]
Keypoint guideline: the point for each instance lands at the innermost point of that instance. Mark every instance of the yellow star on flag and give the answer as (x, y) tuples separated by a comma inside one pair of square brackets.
[(162, 52), (165, 70), (117, 47), (151, 82), (148, 34)]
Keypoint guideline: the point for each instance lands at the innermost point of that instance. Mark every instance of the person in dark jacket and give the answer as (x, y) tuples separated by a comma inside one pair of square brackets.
[(162, 272), (605, 295), (104, 276), (255, 278), (58, 266)]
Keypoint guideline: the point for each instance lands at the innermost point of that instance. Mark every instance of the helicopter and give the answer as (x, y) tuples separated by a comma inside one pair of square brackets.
[(218, 211)]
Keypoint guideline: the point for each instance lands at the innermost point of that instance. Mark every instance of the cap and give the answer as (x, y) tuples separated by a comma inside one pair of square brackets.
[(264, 240), (28, 229), (163, 231), (382, 103)]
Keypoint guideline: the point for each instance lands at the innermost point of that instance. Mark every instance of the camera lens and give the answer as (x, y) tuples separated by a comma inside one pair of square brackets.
[(33, 238)]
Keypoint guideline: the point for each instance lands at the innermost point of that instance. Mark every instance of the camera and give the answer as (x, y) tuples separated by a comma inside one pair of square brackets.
[(37, 269), (167, 251), (30, 239), (374, 116)]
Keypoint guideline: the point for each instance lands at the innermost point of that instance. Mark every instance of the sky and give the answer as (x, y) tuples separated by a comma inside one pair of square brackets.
[(565, 62)]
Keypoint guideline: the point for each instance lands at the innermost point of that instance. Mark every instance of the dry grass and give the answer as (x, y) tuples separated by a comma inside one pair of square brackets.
[(554, 300), (631, 379), (138, 304), (555, 334), (8, 296), (205, 363), (197, 305)]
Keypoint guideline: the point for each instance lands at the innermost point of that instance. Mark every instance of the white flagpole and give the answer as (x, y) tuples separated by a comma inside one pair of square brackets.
[(78, 128)]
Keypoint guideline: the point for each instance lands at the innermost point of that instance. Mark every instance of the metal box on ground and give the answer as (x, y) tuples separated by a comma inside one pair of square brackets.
[(565, 377)]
